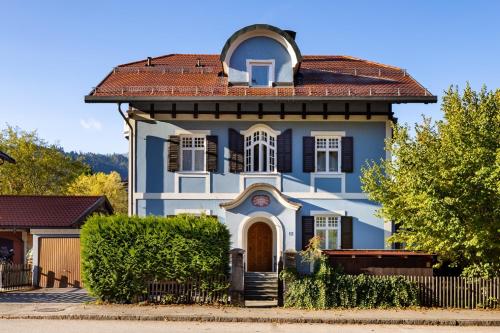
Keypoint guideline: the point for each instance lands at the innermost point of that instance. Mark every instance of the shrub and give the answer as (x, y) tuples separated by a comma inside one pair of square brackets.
[(120, 253), (328, 288)]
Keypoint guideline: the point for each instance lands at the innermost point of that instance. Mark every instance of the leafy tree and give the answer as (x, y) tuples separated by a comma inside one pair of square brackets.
[(103, 162), (41, 168), (442, 186), (100, 183)]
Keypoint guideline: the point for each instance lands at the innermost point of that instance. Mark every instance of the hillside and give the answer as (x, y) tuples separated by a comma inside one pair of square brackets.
[(104, 162)]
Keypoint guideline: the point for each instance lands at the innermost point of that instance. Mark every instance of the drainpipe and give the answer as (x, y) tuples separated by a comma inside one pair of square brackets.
[(131, 177)]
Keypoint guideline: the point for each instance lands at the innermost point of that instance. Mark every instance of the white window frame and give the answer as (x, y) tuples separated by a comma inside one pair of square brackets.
[(327, 227), (249, 144), (266, 62), (327, 150), (192, 152)]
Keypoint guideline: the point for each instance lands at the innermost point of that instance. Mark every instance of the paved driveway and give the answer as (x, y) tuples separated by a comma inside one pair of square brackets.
[(47, 295)]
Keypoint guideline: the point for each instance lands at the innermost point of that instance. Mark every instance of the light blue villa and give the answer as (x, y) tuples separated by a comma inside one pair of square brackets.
[(270, 141)]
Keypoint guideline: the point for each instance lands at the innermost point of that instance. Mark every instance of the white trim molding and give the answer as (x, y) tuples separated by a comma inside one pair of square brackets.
[(264, 62), (327, 133), (257, 33), (182, 131), (337, 175), (328, 212), (260, 187), (231, 196), (194, 174), (250, 175), (260, 127), (62, 232)]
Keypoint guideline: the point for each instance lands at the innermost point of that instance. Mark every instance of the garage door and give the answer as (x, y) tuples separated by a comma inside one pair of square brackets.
[(59, 262)]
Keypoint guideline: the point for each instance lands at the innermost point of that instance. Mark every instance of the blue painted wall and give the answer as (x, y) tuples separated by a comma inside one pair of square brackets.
[(153, 177), (152, 148), (368, 230), (191, 185), (329, 185), (260, 48)]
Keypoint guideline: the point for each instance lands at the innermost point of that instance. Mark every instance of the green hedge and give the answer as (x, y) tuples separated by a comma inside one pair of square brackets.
[(327, 288), (121, 253)]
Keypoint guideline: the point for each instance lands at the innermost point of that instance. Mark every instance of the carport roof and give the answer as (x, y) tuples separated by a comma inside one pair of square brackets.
[(29, 211)]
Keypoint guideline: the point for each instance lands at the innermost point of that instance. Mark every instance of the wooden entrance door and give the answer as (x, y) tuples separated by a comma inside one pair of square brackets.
[(59, 263), (260, 248)]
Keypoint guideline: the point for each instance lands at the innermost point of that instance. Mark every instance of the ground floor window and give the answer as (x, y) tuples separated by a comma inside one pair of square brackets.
[(328, 230)]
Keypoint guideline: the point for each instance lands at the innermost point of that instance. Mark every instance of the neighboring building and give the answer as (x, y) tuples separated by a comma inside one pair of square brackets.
[(49, 228), (268, 140)]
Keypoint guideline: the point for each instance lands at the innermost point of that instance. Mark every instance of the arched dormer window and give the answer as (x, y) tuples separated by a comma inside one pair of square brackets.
[(261, 55), (260, 149)]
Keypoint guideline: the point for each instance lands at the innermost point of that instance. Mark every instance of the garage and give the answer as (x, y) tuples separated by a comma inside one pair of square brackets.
[(59, 265), (43, 233)]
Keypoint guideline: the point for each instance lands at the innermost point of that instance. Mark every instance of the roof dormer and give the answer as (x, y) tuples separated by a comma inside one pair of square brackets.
[(261, 55)]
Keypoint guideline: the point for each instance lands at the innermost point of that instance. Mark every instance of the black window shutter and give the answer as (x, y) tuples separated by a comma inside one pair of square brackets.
[(308, 154), (212, 141), (284, 151), (346, 232), (173, 153), (307, 230), (347, 154), (235, 151)]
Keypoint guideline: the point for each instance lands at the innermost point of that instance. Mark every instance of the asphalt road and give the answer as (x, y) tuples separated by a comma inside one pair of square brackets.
[(84, 326)]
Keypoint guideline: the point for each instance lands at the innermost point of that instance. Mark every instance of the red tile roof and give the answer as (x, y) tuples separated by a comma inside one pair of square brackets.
[(26, 211), (176, 75)]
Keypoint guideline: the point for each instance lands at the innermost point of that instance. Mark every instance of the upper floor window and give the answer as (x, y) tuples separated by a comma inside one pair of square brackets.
[(327, 154), (193, 153), (260, 73), (260, 151), (328, 230)]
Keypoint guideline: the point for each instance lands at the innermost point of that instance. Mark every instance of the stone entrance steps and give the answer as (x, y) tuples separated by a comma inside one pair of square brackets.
[(261, 286)]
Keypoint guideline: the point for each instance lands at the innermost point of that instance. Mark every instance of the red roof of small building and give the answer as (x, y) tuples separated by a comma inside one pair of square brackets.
[(33, 211), (176, 75)]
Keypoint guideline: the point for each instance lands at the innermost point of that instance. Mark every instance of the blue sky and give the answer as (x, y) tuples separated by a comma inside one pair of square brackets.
[(53, 52)]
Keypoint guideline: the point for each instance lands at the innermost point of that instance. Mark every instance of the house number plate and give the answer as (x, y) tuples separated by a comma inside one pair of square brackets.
[(261, 200)]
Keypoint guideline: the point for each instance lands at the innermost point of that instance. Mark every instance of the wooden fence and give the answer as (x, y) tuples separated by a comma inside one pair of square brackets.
[(201, 291), (457, 292), (15, 276)]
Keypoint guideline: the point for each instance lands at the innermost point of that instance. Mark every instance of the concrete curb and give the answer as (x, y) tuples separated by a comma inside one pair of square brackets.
[(278, 320)]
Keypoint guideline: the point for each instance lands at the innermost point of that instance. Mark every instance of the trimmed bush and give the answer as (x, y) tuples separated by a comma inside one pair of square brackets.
[(120, 253), (327, 288)]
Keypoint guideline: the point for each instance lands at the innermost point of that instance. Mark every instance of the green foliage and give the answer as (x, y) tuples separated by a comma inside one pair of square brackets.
[(100, 183), (328, 288), (442, 187), (105, 163), (121, 253), (40, 168)]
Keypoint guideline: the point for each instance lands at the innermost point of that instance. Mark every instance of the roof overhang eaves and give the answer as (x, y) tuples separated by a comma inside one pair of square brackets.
[(129, 99)]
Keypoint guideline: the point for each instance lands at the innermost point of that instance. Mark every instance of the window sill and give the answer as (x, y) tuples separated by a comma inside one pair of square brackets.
[(194, 173), (328, 173), (268, 174)]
